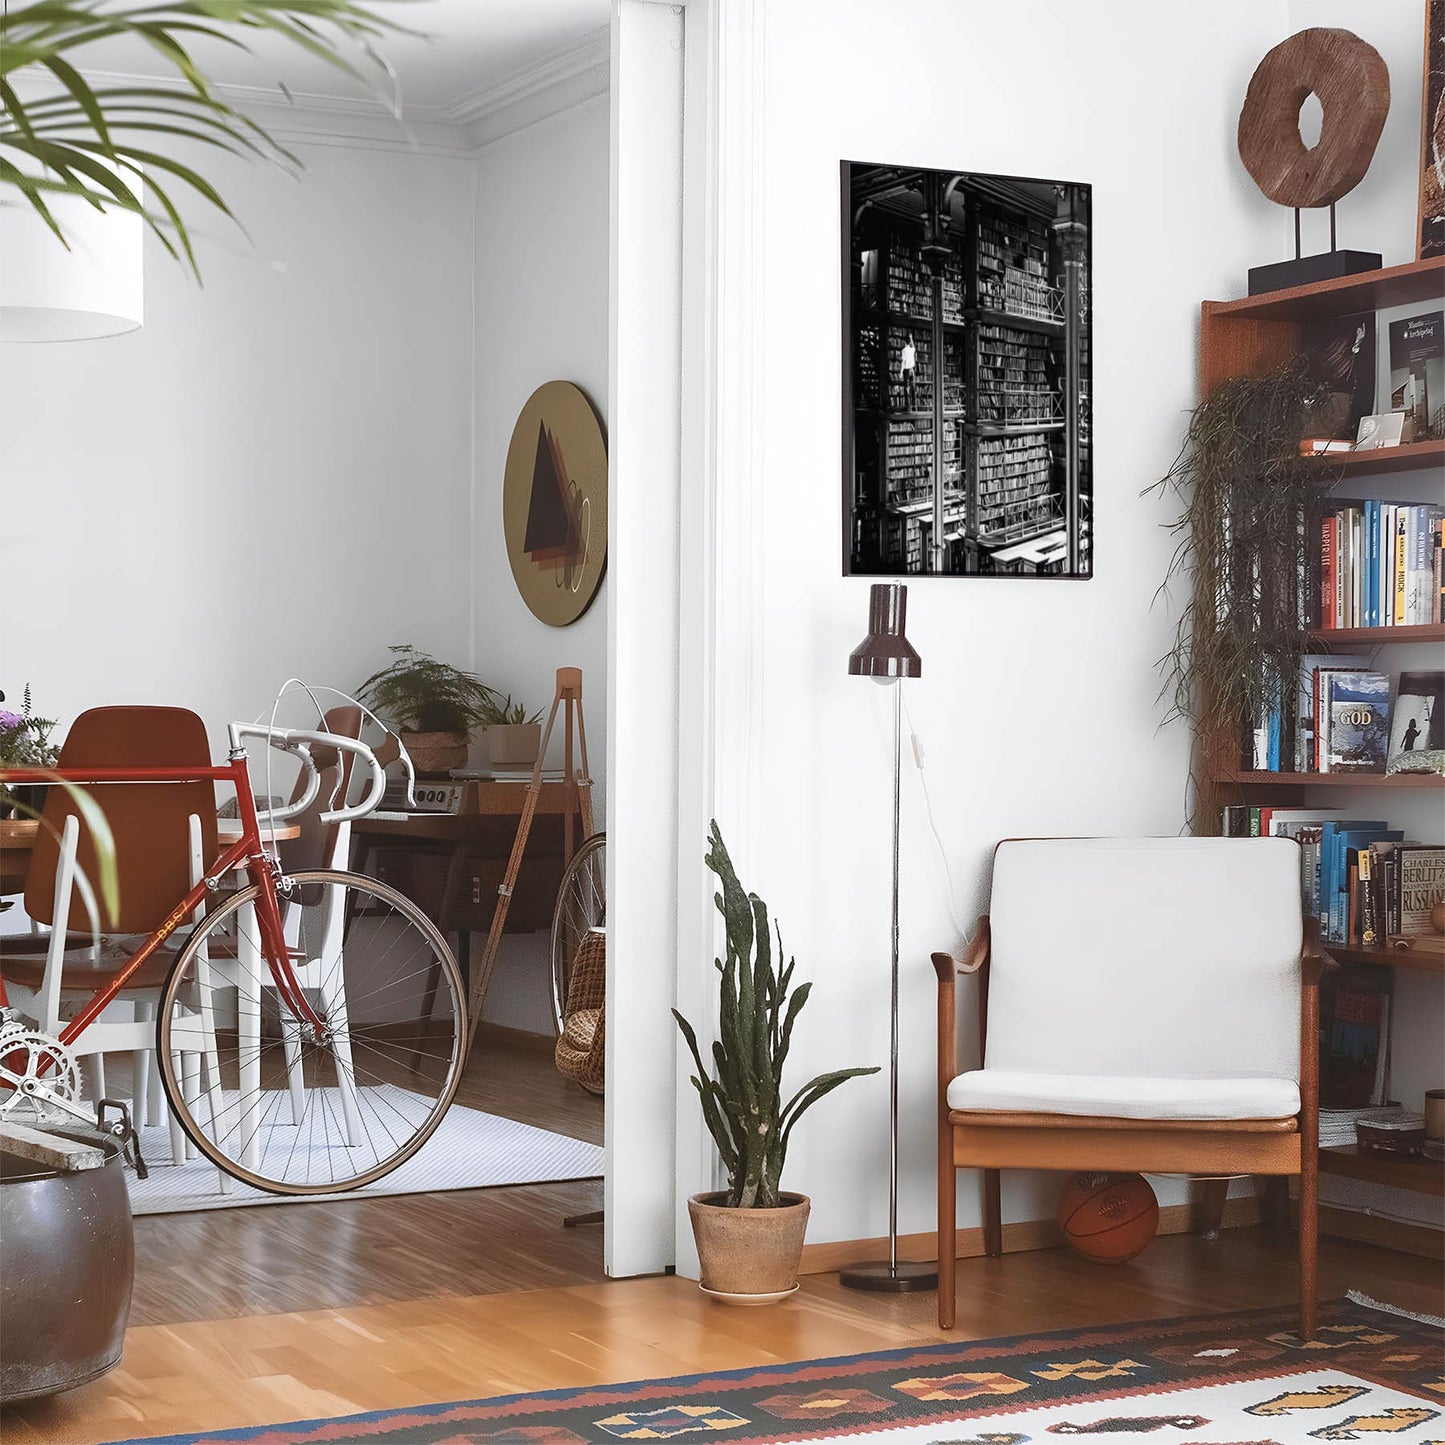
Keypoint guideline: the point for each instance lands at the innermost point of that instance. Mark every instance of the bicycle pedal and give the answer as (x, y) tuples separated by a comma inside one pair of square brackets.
[(125, 1131)]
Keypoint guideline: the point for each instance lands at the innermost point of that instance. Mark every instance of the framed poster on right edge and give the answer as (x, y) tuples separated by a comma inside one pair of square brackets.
[(967, 374), (1432, 134)]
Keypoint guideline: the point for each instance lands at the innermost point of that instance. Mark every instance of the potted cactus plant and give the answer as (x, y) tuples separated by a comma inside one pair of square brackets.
[(750, 1236)]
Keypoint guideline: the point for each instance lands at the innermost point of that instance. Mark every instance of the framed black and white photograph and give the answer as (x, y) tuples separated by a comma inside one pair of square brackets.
[(966, 374)]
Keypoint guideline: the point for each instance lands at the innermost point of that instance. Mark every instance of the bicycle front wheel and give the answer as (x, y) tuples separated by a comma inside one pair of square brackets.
[(280, 1104)]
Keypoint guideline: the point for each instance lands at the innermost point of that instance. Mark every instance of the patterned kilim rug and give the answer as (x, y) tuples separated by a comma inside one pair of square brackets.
[(1238, 1379)]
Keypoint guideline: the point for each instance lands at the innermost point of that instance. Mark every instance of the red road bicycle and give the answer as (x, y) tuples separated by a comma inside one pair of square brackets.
[(311, 1028)]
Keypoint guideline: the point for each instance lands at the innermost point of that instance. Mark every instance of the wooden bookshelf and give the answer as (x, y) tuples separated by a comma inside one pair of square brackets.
[(1422, 961), (1248, 779), (1365, 291), (1382, 461), (1253, 336), (1379, 636), (1409, 1171)]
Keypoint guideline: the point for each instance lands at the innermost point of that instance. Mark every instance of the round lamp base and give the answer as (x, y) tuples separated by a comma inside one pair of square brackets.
[(882, 1278)]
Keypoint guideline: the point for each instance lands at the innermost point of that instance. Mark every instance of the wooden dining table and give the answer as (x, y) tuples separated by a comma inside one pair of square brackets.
[(18, 835)]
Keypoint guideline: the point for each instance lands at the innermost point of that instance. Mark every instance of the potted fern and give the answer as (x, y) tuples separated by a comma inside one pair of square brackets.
[(750, 1235), (434, 704)]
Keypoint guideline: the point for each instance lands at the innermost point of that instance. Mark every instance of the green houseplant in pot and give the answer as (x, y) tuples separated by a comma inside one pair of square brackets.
[(750, 1236), (434, 704)]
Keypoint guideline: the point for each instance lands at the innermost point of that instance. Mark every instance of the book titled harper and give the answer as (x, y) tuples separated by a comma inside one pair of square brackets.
[(1356, 715)]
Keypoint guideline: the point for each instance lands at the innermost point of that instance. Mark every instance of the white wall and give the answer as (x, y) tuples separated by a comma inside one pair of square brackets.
[(541, 278), (303, 420), (1037, 706)]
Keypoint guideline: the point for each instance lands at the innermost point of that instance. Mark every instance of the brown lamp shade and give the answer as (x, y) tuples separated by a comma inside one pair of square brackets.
[(886, 652)]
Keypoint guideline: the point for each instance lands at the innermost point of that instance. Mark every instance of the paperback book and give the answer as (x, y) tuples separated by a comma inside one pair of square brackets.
[(1417, 722), (1417, 370), (1355, 716)]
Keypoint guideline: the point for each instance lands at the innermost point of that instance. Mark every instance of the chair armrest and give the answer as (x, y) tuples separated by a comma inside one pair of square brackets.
[(1313, 960), (974, 957)]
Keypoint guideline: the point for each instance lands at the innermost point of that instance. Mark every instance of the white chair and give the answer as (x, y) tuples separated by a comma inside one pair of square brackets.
[(1144, 1004)]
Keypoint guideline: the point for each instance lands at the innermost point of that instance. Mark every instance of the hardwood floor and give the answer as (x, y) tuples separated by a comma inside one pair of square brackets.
[(226, 1263), (260, 1370)]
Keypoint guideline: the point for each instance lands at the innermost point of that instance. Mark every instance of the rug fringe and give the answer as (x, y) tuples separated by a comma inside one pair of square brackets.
[(1356, 1297)]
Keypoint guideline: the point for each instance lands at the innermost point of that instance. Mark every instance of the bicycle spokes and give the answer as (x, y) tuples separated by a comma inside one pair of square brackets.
[(327, 1074)]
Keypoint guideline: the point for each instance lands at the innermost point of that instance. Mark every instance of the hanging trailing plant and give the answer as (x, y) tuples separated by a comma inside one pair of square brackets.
[(1242, 547)]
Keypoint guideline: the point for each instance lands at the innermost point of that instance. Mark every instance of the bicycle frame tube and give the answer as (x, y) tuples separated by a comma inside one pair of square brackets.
[(247, 849)]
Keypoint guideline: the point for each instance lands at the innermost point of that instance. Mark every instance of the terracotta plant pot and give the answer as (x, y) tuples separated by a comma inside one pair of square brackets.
[(434, 755), (513, 745), (749, 1256)]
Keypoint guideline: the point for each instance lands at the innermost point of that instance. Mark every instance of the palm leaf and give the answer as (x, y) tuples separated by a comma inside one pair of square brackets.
[(66, 135)]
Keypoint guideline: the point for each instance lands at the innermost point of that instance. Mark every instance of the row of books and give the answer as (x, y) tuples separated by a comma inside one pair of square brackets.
[(1380, 565), (1362, 879), (1343, 719)]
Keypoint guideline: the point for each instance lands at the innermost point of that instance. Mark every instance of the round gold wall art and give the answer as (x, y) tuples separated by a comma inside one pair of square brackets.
[(554, 503)]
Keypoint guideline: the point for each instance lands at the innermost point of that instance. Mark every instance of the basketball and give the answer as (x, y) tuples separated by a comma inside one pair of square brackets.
[(1108, 1217)]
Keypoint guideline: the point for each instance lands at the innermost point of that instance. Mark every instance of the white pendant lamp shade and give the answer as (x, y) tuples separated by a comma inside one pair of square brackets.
[(48, 293)]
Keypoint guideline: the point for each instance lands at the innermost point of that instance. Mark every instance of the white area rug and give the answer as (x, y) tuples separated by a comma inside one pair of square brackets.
[(470, 1150)]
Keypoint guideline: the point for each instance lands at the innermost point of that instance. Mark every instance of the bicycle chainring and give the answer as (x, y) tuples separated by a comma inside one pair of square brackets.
[(28, 1054)]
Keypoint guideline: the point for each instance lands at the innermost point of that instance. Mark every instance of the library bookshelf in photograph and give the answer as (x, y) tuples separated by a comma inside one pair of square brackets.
[(966, 374)]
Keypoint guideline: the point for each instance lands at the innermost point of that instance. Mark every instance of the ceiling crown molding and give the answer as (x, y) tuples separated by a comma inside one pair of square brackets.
[(565, 78), (577, 59)]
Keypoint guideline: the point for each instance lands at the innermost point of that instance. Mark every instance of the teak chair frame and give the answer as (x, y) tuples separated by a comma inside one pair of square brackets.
[(993, 1140)]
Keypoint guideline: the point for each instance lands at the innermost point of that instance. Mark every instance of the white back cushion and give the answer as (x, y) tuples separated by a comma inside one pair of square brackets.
[(1168, 957)]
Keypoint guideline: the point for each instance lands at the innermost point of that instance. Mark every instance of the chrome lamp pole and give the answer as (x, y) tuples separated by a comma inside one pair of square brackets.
[(887, 657)]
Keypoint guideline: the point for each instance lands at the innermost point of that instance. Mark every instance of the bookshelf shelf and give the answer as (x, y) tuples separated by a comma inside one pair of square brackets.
[(1411, 457), (1421, 962), (1248, 779), (1414, 1172), (1378, 636), (1366, 291)]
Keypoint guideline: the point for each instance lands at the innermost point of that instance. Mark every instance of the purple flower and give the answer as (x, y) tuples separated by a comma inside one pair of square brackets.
[(11, 719)]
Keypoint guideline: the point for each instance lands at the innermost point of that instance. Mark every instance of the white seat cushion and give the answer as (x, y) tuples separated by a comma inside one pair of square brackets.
[(1118, 1097)]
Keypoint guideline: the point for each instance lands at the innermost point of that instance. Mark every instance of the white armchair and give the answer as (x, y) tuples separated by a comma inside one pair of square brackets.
[(1144, 1004)]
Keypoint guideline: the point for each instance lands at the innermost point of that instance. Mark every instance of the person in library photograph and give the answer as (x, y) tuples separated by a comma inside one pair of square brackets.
[(908, 372)]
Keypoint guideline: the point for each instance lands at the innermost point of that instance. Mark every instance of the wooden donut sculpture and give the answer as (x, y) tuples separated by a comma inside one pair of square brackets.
[(1353, 86)]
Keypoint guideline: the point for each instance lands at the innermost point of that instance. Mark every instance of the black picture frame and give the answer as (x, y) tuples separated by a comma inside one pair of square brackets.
[(967, 398)]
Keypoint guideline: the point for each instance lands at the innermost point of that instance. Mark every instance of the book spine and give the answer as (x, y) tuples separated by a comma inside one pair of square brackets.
[(1386, 600), (1372, 562), (1398, 603), (1327, 574), (1437, 606), (1254, 822), (1369, 934)]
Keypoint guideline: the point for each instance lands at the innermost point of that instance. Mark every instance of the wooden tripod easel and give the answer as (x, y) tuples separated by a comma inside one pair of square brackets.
[(578, 784)]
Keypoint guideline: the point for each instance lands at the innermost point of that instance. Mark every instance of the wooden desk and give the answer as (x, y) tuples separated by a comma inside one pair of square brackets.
[(451, 864)]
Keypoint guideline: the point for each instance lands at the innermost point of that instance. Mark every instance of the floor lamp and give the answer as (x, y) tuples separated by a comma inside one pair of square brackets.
[(886, 656)]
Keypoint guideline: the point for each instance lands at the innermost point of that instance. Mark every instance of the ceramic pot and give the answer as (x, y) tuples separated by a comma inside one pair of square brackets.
[(69, 1263), (749, 1256), (434, 755), (513, 745)]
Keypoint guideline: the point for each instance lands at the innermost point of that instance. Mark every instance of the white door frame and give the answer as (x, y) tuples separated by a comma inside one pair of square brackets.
[(685, 589)]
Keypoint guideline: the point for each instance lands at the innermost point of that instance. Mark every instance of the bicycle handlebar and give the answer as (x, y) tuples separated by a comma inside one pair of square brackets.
[(300, 741)]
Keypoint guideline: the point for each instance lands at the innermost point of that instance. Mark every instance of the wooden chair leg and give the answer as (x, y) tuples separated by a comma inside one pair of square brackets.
[(1275, 1205), (992, 1214), (1308, 1245), (947, 1224), (1206, 1199)]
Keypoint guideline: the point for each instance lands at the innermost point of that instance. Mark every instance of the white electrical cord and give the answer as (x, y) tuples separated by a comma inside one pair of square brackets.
[(916, 748)]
